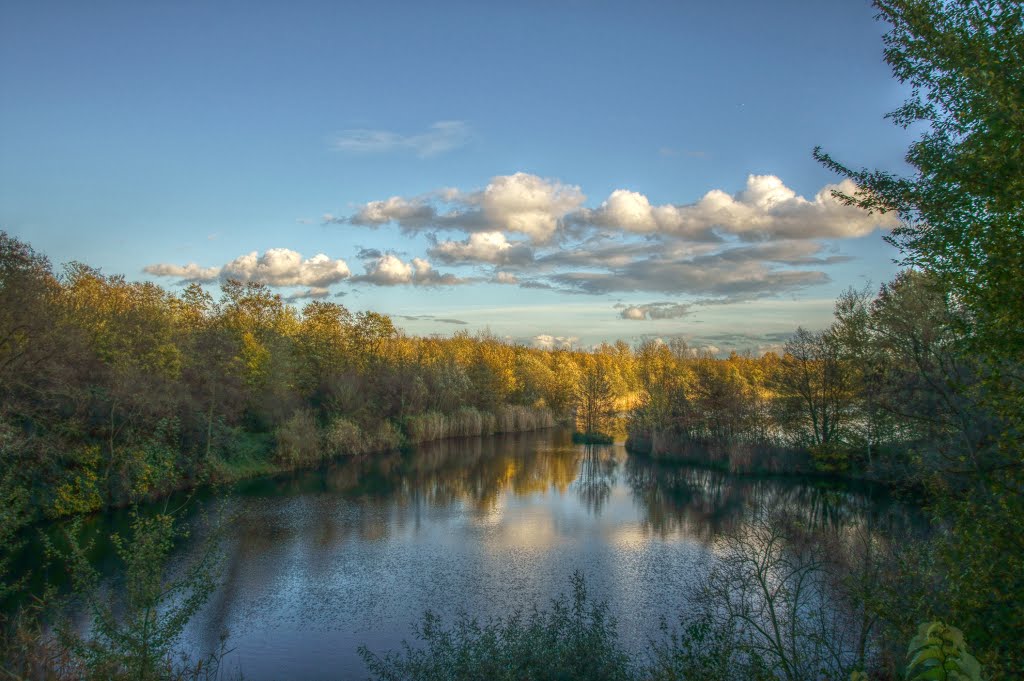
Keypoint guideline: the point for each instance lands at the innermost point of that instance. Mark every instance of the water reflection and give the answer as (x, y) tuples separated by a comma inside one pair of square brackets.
[(596, 475), (320, 562), (702, 503)]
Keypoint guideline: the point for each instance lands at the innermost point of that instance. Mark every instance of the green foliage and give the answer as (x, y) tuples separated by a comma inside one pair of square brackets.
[(344, 437), (136, 626), (79, 491), (298, 441), (938, 653), (592, 438), (703, 649), (572, 639), (831, 458), (961, 213)]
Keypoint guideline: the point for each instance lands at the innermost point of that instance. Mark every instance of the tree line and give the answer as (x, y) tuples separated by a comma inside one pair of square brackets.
[(116, 391)]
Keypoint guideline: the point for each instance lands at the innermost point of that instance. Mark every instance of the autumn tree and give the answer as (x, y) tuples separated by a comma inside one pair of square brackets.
[(595, 400)]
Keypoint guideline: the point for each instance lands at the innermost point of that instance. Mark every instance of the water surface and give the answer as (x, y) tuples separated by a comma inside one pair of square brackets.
[(322, 562)]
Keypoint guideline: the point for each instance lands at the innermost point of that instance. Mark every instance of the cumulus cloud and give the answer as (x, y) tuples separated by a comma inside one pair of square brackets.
[(276, 267), (390, 270), (762, 240), (541, 208), (308, 294), (549, 342), (519, 203), (664, 310), (285, 267), (529, 205), (764, 209), (483, 247), (185, 273), (440, 137), (411, 214)]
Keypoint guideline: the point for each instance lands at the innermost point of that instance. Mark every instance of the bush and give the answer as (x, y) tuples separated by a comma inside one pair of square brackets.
[(344, 437), (298, 440), (592, 439), (705, 650), (573, 639), (385, 438)]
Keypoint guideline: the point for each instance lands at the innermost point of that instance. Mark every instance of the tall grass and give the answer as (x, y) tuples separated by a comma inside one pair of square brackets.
[(470, 422), (515, 418)]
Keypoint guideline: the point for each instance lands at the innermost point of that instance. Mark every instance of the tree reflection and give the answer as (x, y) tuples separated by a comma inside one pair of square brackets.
[(704, 503), (596, 477)]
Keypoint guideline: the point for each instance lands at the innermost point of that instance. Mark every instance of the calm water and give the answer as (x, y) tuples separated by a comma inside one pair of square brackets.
[(324, 561)]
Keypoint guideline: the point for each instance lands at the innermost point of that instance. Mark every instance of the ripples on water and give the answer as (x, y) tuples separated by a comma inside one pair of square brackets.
[(321, 562)]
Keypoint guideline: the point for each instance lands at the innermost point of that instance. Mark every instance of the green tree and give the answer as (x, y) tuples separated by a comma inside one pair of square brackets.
[(961, 215), (134, 634)]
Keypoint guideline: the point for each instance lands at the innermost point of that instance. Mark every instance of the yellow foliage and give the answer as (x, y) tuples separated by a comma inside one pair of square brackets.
[(79, 493)]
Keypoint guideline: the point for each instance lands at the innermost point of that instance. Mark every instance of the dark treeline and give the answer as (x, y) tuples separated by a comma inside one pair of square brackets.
[(888, 391)]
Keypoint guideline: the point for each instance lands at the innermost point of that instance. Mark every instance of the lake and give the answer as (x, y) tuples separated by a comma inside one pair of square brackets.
[(323, 561)]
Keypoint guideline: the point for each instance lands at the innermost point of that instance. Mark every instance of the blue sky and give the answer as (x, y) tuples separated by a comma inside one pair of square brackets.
[(551, 162)]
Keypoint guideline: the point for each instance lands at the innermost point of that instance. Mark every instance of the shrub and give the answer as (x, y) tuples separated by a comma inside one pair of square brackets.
[(298, 440), (939, 652), (344, 437), (385, 438), (573, 639), (592, 438)]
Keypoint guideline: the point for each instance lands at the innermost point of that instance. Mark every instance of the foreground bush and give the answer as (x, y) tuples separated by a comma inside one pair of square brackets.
[(570, 640)]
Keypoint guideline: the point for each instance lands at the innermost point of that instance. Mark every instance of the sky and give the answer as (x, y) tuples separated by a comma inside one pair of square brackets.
[(551, 172)]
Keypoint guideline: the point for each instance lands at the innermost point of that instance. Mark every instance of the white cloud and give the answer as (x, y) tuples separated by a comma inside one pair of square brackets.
[(765, 209), (276, 267), (760, 241), (529, 205), (505, 278), (519, 203), (539, 208), (390, 270), (410, 213), (485, 247), (655, 311), (549, 342), (438, 138), (308, 294), (285, 267), (387, 270), (190, 272)]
